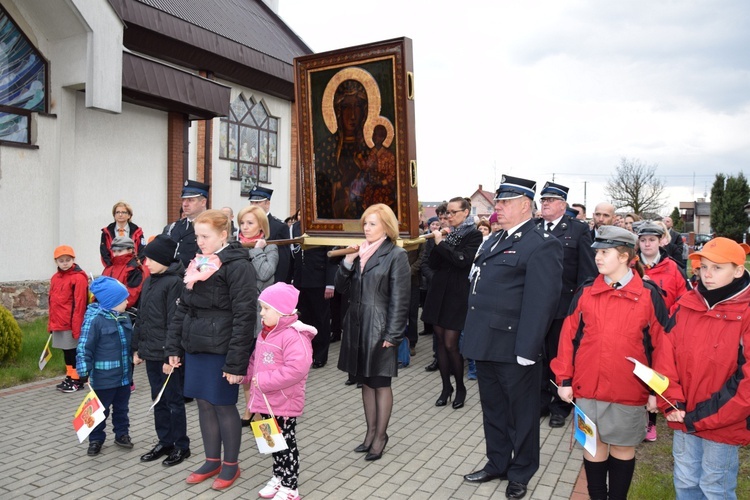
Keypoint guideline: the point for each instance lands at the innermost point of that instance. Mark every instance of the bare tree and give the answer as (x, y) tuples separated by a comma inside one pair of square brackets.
[(636, 187)]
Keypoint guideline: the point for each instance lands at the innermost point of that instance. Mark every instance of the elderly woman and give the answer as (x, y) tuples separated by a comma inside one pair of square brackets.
[(122, 213), (377, 279)]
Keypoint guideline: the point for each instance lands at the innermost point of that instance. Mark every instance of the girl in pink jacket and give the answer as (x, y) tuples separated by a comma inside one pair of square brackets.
[(278, 369)]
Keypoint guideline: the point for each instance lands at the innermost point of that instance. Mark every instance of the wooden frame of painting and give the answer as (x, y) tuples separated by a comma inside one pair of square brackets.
[(357, 143)]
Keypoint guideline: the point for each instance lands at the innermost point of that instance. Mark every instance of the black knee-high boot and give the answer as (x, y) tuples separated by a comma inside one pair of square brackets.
[(596, 476), (620, 476)]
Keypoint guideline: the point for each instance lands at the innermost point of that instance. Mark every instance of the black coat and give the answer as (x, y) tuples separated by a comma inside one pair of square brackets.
[(158, 305), (280, 231), (578, 258), (514, 296), (183, 233), (445, 304), (312, 267), (378, 310), (218, 315)]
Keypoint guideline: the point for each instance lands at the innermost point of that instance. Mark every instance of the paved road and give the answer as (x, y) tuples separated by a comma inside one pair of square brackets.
[(429, 450)]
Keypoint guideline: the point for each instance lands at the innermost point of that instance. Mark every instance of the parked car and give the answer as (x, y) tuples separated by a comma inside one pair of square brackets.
[(701, 239)]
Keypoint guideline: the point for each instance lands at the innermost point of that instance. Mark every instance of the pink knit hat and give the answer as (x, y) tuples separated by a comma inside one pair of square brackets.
[(493, 218), (281, 297)]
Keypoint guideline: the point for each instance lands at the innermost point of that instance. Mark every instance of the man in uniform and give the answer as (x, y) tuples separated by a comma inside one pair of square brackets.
[(578, 266), (194, 202), (516, 284), (261, 196)]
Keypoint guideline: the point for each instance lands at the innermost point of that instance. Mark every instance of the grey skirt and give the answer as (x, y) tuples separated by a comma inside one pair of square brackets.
[(620, 425), (64, 340)]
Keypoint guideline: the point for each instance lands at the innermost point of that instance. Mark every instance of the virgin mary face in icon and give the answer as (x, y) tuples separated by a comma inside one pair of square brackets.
[(350, 105)]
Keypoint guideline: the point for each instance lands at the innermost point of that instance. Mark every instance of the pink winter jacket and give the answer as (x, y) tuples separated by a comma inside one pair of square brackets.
[(280, 364)]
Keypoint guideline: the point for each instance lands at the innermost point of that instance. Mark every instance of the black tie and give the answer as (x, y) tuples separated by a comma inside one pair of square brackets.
[(549, 227)]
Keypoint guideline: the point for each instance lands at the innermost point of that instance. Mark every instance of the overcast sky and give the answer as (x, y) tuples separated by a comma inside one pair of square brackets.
[(536, 88)]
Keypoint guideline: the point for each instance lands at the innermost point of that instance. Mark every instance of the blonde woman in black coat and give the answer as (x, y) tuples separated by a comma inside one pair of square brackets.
[(377, 280), (446, 303)]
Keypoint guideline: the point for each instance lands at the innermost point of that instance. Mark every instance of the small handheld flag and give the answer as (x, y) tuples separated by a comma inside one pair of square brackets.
[(585, 431), (584, 428), (89, 414), (46, 354), (653, 379), (158, 396)]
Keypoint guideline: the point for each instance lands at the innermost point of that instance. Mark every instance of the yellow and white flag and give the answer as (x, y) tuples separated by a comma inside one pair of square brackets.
[(653, 379), (46, 354)]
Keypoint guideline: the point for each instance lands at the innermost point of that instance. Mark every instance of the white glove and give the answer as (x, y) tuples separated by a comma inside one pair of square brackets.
[(524, 362)]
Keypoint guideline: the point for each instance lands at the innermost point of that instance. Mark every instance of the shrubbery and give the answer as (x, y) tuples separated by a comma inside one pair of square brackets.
[(10, 336)]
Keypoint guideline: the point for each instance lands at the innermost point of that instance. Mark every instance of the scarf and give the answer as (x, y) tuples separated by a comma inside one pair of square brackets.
[(265, 331), (716, 295), (243, 239), (366, 250), (201, 268), (457, 233)]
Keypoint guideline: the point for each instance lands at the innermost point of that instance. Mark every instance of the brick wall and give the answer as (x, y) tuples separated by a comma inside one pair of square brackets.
[(27, 300), (176, 162)]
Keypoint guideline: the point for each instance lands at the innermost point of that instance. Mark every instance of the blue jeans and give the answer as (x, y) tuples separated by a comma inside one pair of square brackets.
[(119, 399), (169, 413), (703, 468)]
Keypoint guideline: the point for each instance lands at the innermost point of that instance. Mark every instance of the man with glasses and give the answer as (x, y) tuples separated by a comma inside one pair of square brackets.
[(578, 266), (515, 288)]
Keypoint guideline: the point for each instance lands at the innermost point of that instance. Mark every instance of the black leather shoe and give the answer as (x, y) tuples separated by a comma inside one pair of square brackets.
[(432, 367), (515, 490), (157, 451), (363, 448), (350, 381), (556, 421), (94, 448), (482, 476), (318, 364), (176, 457)]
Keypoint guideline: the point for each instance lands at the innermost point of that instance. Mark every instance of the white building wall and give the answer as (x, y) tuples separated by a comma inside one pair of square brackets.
[(116, 157)]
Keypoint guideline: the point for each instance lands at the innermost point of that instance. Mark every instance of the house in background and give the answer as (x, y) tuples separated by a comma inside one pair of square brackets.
[(482, 203), (696, 215), (109, 100)]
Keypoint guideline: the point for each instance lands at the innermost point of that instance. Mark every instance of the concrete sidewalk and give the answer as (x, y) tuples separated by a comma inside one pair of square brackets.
[(429, 451)]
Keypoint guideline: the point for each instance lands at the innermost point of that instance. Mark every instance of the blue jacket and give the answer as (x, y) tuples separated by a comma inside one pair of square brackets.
[(103, 352)]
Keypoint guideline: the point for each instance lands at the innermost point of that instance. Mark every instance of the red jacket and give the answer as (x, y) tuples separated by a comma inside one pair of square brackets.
[(68, 298), (108, 234), (670, 278), (605, 327), (704, 359), (127, 270)]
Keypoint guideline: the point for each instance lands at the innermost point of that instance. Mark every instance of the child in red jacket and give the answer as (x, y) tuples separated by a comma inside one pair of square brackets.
[(126, 268), (703, 356), (68, 298), (615, 316)]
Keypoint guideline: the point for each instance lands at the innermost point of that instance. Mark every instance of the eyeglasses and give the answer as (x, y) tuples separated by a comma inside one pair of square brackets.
[(548, 200), (122, 213), (454, 212)]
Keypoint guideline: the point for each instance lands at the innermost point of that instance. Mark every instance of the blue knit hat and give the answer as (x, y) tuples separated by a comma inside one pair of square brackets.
[(109, 292)]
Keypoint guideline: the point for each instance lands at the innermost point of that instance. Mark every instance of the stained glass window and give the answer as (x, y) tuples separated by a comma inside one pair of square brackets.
[(249, 138), (23, 81)]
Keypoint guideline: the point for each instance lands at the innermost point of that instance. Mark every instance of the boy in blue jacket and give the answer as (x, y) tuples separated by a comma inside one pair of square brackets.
[(103, 355)]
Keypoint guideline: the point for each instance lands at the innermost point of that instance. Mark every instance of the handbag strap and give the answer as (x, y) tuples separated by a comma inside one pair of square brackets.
[(270, 411)]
